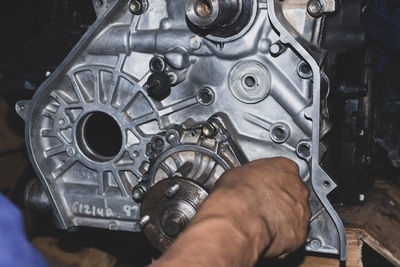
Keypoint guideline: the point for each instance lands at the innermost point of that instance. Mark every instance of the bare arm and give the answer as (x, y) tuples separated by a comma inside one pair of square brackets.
[(261, 207)]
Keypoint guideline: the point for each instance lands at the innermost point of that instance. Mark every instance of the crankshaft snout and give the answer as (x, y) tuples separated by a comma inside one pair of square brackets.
[(209, 14)]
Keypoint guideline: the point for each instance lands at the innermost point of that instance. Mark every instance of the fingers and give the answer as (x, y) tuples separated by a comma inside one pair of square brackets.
[(271, 191)]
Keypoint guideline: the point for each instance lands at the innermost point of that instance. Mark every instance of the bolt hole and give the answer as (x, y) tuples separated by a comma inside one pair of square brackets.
[(203, 8), (304, 70), (303, 150), (205, 96), (99, 136), (327, 184), (250, 81), (157, 64), (279, 133)]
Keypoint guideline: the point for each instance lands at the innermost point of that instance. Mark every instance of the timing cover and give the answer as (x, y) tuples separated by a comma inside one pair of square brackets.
[(262, 82)]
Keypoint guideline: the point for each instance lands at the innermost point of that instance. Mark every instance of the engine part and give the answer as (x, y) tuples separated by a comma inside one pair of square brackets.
[(167, 209), (250, 88)]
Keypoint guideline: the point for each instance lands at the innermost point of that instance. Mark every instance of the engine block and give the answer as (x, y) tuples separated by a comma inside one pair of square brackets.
[(179, 89)]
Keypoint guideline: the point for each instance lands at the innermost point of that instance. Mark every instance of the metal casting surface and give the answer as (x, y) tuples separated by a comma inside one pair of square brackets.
[(246, 87)]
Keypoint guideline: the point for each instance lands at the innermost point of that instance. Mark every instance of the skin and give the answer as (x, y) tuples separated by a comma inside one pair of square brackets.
[(259, 209)]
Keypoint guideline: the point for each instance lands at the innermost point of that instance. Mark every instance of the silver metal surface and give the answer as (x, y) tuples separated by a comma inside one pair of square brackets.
[(274, 113)]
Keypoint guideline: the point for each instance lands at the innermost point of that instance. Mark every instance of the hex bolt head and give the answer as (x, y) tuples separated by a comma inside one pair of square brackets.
[(137, 7), (314, 8), (173, 226), (138, 194), (208, 130), (171, 192)]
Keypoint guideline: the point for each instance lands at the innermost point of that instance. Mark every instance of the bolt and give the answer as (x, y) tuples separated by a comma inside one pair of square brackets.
[(137, 7), (195, 42), (315, 244), (173, 226), (171, 192), (138, 194), (208, 129), (136, 154), (314, 8), (61, 121), (144, 221), (173, 77)]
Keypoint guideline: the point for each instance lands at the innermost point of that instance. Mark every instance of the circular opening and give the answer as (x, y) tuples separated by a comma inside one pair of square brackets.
[(99, 136), (157, 64), (250, 81), (327, 184), (205, 96), (304, 150), (203, 8), (279, 133), (305, 68)]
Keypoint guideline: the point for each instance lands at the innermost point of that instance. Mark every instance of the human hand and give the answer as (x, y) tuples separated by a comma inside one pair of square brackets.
[(272, 193), (258, 209)]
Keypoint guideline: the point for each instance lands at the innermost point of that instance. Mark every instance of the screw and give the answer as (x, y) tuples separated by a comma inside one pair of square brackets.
[(208, 130), (144, 221), (171, 192), (195, 42), (315, 244), (314, 8), (138, 194), (137, 7), (61, 121)]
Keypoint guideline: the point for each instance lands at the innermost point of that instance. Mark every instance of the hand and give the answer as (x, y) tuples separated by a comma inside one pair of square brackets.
[(273, 193), (261, 207)]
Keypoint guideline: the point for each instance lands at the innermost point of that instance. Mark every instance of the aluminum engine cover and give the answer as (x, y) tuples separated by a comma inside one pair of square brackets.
[(262, 81)]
